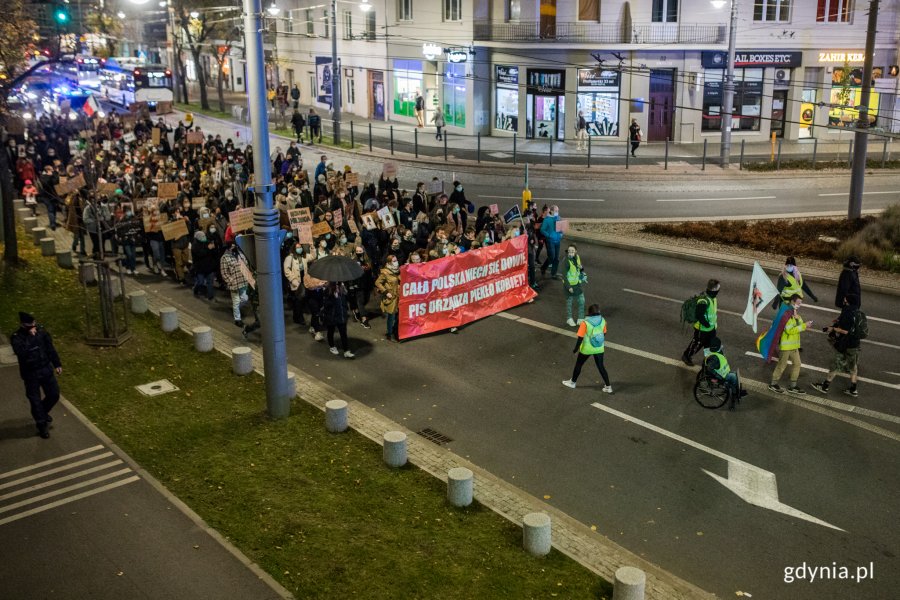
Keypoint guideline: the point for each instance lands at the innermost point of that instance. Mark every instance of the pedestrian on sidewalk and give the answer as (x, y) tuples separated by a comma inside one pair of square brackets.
[(591, 343), (38, 360), (789, 349), (552, 238), (848, 283), (705, 317), (575, 277), (420, 109), (314, 122), (298, 123), (438, 120), (635, 135), (295, 96), (581, 131), (844, 335)]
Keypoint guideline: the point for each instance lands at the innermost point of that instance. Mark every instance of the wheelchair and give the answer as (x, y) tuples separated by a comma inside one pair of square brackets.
[(711, 391)]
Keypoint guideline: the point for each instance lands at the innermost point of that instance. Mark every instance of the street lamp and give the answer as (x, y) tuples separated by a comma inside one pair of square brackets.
[(194, 14), (273, 10), (365, 6), (728, 89)]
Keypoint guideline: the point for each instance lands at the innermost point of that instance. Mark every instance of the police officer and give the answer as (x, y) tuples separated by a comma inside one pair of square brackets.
[(37, 362)]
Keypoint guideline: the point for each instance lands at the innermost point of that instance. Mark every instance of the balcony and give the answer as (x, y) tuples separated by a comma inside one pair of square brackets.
[(600, 33)]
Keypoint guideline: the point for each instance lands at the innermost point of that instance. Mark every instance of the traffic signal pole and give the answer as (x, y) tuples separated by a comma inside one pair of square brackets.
[(861, 138)]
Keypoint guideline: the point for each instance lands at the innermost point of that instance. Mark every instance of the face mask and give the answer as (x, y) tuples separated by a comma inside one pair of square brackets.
[(515, 234), (359, 252), (299, 250), (202, 239), (790, 269), (343, 240), (395, 265), (571, 254), (459, 188), (129, 214), (322, 245), (288, 235), (713, 293), (455, 211), (212, 229), (327, 236)]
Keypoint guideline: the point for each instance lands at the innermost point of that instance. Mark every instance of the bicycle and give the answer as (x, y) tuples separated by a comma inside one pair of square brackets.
[(711, 391)]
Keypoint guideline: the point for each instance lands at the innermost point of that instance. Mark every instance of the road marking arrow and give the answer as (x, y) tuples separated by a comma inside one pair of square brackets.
[(750, 483)]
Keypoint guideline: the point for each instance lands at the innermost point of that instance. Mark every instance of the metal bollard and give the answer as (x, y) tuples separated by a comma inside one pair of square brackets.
[(392, 139), (850, 155), (168, 317), (589, 151), (241, 360), (64, 259), (703, 166), (291, 384), (352, 142), (336, 416), (536, 534), (667, 155), (627, 152), (515, 136), (742, 154), (394, 451), (629, 584), (815, 151), (48, 246), (416, 141), (778, 157), (478, 151), (460, 486), (138, 302), (203, 338), (445, 145), (884, 153), (37, 234), (551, 152), (370, 137)]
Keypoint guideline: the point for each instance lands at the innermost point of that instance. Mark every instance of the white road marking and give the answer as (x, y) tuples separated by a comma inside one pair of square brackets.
[(49, 462), (546, 199), (65, 467), (59, 480), (750, 483), (62, 491), (715, 199), (892, 373), (864, 193), (56, 503), (893, 386)]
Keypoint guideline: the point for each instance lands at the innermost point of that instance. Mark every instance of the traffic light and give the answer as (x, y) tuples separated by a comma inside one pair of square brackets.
[(61, 15)]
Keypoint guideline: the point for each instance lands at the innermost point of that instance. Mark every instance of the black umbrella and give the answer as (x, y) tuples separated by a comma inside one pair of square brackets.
[(336, 268)]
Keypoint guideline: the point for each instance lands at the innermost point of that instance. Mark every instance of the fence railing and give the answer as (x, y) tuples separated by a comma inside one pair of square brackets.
[(603, 33)]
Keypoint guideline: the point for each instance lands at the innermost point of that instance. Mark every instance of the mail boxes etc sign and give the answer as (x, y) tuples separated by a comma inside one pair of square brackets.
[(715, 59)]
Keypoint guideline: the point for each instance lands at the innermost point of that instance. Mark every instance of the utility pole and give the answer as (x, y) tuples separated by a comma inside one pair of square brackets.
[(266, 231), (861, 138), (728, 91), (335, 78)]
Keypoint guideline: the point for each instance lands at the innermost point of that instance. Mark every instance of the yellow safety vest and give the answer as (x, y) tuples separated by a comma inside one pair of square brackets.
[(712, 307), (790, 337), (724, 368), (573, 275), (794, 285), (586, 346)]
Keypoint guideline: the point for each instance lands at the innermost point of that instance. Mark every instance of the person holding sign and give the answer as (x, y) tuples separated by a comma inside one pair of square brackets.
[(591, 343), (235, 280), (388, 285)]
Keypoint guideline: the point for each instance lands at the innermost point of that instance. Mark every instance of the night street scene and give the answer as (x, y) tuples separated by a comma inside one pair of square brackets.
[(450, 299)]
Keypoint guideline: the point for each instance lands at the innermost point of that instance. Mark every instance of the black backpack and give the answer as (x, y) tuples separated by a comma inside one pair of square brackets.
[(859, 329)]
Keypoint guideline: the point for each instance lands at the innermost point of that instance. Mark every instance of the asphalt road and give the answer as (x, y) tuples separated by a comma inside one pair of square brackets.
[(640, 464)]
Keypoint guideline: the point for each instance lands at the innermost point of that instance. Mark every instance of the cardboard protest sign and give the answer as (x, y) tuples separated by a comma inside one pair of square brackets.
[(129, 137), (368, 220), (174, 230), (304, 233), (107, 189), (352, 225), (154, 221), (248, 274), (155, 136), (167, 190), (338, 216), (241, 219), (435, 186), (351, 179), (295, 217), (145, 203), (562, 226), (194, 137), (389, 169), (15, 125), (198, 202), (495, 210), (321, 228), (387, 219)]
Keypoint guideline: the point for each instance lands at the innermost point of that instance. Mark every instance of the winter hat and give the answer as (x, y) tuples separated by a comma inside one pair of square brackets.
[(27, 182), (25, 318)]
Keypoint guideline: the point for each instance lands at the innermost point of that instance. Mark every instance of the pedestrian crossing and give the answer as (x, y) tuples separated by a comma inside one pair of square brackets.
[(51, 483)]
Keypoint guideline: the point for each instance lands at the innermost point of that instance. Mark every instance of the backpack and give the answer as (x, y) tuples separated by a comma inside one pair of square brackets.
[(689, 309), (860, 327), (597, 337)]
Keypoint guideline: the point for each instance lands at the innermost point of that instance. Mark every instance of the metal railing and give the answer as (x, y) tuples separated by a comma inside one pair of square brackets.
[(603, 33)]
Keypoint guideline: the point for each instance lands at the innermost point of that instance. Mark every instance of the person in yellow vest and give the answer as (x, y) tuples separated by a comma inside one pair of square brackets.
[(573, 279), (705, 319), (789, 349), (591, 343), (791, 282), (716, 363)]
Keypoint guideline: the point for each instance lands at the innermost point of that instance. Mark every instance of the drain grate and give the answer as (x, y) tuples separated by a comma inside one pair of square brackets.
[(434, 436)]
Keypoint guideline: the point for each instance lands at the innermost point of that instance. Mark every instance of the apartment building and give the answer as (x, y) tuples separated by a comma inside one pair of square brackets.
[(528, 67)]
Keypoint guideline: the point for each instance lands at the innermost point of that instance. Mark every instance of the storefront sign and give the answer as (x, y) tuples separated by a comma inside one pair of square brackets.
[(457, 56), (507, 75), (431, 51), (841, 57), (547, 80), (715, 59), (592, 78)]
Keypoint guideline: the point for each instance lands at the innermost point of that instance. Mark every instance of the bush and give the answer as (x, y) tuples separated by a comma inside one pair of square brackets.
[(877, 245)]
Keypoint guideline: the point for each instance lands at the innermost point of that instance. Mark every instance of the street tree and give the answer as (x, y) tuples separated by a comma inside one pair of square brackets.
[(220, 52), (107, 25)]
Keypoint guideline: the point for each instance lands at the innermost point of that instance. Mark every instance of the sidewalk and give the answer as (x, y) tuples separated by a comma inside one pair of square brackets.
[(403, 137), (81, 520)]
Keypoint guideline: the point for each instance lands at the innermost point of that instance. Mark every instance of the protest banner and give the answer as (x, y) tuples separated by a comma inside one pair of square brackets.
[(389, 169), (295, 217), (241, 219), (562, 226), (174, 230), (452, 291), (155, 136), (338, 216), (321, 228), (387, 219), (167, 190), (194, 137), (368, 220)]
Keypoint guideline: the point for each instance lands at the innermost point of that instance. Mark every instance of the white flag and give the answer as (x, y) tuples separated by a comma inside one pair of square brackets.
[(762, 291)]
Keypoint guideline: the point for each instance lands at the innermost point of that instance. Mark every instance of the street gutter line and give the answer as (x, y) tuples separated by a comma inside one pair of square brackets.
[(864, 193), (715, 199), (545, 199)]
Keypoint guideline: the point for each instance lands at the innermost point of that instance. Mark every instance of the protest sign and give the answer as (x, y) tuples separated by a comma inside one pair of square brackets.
[(155, 136), (390, 169), (248, 274), (351, 179), (198, 202), (167, 190), (304, 233), (153, 221), (435, 186), (107, 189), (194, 137), (174, 230), (512, 214), (107, 145), (241, 219), (387, 219), (368, 220), (452, 291), (145, 203), (338, 216), (495, 210), (295, 217), (129, 137), (352, 225), (321, 228), (562, 226)]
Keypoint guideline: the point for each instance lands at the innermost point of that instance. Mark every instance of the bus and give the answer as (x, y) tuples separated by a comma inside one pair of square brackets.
[(126, 82), (88, 68)]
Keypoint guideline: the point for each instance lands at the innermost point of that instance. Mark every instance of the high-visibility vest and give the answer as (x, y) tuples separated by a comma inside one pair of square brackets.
[(712, 307), (793, 285), (573, 275), (724, 368), (790, 337), (586, 346)]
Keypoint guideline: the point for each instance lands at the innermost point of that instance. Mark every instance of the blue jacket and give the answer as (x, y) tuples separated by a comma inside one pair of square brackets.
[(548, 229)]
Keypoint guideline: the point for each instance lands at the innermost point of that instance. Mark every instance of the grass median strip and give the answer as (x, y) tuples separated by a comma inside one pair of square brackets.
[(318, 511)]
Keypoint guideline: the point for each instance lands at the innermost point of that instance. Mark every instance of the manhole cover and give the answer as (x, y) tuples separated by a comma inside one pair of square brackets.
[(155, 388), (434, 436)]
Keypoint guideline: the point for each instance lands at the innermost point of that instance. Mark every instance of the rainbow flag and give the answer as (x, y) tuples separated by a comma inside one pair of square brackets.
[(767, 343)]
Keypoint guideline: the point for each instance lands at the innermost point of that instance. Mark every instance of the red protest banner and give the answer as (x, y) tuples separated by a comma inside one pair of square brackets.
[(456, 290)]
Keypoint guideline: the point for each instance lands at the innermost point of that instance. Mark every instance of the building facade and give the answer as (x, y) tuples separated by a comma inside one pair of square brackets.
[(528, 67)]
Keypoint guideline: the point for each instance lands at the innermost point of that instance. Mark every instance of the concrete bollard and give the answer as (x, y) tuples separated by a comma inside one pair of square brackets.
[(138, 302), (203, 338), (536, 534), (64, 259), (395, 448), (459, 486), (292, 384), (168, 317), (29, 223), (19, 203), (48, 246), (629, 584), (87, 273), (336, 416), (22, 214), (241, 360), (37, 234)]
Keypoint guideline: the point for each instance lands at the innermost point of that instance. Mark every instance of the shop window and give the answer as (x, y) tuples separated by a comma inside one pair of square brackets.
[(774, 11), (748, 84), (407, 80), (452, 10), (834, 11), (665, 11), (404, 10), (507, 117), (588, 10), (601, 112), (454, 96)]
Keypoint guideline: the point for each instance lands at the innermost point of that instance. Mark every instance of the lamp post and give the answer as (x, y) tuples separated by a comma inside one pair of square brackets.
[(273, 11), (728, 88), (335, 78)]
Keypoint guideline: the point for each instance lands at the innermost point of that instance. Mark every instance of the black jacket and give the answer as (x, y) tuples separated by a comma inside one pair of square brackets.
[(848, 283), (36, 354)]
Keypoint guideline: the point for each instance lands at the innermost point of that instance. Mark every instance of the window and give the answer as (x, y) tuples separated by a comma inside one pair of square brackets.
[(370, 26), (452, 10), (777, 11), (834, 11), (665, 11), (310, 24), (404, 10), (588, 10), (348, 25), (289, 23), (351, 91), (513, 10), (327, 20), (454, 97), (748, 87)]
